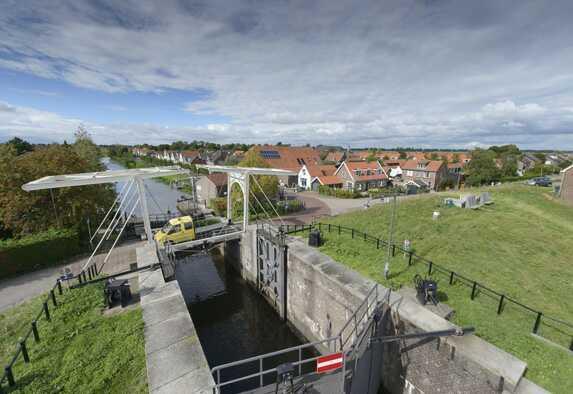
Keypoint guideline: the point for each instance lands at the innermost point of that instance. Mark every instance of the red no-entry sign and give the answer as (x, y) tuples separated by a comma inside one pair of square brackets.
[(329, 363)]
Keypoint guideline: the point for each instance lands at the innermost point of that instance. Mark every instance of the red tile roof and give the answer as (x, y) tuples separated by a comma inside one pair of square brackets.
[(363, 166), (321, 170), (334, 156), (287, 157), (329, 180), (218, 178), (429, 165)]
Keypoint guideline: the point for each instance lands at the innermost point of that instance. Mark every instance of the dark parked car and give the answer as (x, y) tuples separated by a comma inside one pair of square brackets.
[(541, 181)]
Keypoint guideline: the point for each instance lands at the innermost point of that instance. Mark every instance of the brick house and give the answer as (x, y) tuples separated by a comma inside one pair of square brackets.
[(361, 175), (425, 173), (211, 186)]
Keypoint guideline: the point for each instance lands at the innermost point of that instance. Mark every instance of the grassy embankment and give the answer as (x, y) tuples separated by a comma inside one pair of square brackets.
[(80, 350), (520, 246)]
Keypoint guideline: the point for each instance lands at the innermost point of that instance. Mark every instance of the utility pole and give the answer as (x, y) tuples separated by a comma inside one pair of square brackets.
[(390, 238)]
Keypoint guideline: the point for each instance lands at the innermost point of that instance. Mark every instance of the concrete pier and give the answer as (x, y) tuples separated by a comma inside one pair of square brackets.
[(175, 359)]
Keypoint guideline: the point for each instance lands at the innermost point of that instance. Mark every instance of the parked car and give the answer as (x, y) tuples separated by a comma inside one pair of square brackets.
[(540, 181)]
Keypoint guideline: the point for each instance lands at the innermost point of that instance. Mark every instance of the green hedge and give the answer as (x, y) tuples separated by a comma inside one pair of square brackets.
[(37, 251), (338, 193)]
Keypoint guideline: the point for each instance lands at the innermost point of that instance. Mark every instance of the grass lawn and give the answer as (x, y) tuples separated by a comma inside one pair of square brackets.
[(520, 246), (80, 350)]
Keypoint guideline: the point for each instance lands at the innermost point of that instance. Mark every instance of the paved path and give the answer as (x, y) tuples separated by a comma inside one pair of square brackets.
[(14, 291)]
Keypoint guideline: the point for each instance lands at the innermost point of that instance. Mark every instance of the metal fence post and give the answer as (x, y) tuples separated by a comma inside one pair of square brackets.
[(319, 226), (352, 233), (452, 277), (46, 311), (328, 227), (339, 229), (571, 345), (24, 350), (537, 322), (430, 268), (474, 290), (500, 306), (9, 375), (410, 259), (377, 243), (53, 297), (90, 273), (60, 287), (393, 250), (35, 331), (80, 278), (364, 236)]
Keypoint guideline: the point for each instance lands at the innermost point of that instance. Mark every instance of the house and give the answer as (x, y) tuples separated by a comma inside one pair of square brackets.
[(328, 180), (310, 171), (336, 157), (455, 173), (566, 189), (388, 155), (529, 161), (553, 160), (290, 158), (211, 186), (217, 157), (430, 173), (189, 157), (393, 168), (362, 175)]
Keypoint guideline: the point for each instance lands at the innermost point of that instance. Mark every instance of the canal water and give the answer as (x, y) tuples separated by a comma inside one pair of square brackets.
[(233, 321), (160, 197)]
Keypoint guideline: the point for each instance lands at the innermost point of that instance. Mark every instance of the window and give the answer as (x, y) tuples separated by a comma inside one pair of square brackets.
[(303, 182), (188, 225), (357, 172), (367, 172), (427, 174), (410, 173)]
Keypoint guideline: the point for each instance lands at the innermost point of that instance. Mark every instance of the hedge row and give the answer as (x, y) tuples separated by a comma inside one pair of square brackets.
[(37, 251)]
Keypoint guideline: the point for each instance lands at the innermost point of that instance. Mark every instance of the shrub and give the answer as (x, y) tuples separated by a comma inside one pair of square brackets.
[(219, 205), (41, 250), (338, 193)]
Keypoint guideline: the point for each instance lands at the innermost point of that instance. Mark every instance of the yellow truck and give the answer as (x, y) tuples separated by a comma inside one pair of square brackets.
[(177, 230)]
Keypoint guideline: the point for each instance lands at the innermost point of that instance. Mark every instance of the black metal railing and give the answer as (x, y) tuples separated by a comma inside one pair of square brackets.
[(9, 376), (562, 328)]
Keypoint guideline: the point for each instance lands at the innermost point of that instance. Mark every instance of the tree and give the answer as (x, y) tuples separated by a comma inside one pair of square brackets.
[(403, 155), (20, 145), (509, 166), (268, 183), (86, 149), (27, 212), (482, 168), (456, 158)]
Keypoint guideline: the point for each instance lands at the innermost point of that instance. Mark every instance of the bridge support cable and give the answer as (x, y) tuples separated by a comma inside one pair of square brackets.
[(118, 219), (108, 230), (119, 235), (154, 200), (261, 205), (118, 198), (269, 201)]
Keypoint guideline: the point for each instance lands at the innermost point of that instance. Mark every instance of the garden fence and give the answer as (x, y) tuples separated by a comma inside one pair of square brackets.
[(562, 328)]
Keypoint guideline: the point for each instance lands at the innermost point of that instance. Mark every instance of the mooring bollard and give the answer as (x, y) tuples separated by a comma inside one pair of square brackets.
[(35, 331), (46, 311), (24, 350), (53, 297)]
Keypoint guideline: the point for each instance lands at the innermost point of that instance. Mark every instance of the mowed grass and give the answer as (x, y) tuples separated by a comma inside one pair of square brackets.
[(80, 351), (521, 246)]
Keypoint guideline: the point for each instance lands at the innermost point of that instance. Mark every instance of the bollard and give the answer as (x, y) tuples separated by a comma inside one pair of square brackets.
[(60, 287), (500, 306), (339, 229), (46, 311), (53, 297), (24, 351), (9, 375), (35, 331), (452, 277), (537, 322), (474, 287)]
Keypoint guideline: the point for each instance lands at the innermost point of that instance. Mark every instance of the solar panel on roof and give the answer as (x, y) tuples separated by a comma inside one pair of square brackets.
[(270, 154)]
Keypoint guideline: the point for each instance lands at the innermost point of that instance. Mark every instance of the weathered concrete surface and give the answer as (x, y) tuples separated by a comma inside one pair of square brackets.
[(175, 359), (322, 294)]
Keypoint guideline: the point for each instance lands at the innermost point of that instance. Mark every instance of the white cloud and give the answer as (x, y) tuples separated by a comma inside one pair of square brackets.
[(385, 73)]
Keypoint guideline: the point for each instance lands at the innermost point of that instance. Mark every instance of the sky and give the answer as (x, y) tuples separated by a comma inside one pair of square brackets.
[(426, 73)]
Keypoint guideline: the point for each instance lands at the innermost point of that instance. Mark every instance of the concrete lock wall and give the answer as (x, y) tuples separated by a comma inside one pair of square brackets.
[(322, 294)]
